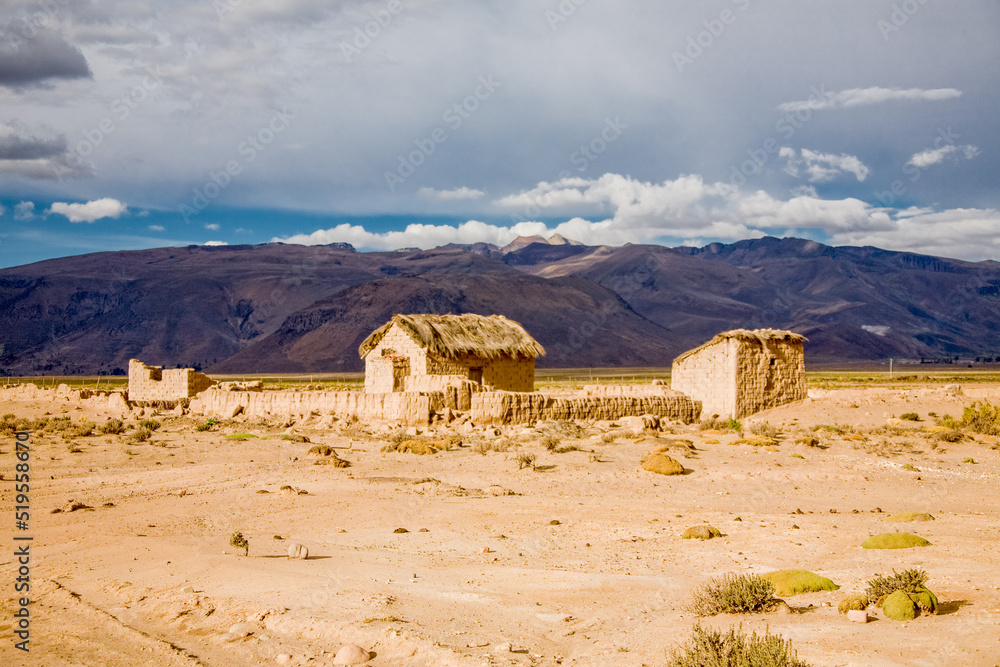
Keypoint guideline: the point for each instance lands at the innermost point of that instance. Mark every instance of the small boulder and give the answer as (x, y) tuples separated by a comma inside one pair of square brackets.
[(704, 532), (240, 630), (899, 607), (351, 654), (857, 616), (298, 551), (661, 464)]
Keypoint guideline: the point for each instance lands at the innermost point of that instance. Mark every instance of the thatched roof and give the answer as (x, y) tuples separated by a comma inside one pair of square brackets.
[(756, 335), (452, 336)]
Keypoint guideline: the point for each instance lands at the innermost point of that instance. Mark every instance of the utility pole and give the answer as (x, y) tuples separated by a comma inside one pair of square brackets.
[(890, 368)]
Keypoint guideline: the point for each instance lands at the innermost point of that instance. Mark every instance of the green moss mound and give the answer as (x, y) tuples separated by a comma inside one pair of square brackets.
[(904, 517), (894, 541), (899, 607), (926, 600), (705, 532), (793, 582), (853, 603)]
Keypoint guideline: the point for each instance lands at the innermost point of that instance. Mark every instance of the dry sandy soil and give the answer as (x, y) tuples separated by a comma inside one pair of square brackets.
[(582, 564)]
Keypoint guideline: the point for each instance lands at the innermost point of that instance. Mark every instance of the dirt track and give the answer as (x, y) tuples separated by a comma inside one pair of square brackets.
[(148, 570)]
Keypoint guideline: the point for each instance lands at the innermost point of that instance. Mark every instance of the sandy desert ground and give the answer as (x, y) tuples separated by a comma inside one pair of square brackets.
[(575, 561)]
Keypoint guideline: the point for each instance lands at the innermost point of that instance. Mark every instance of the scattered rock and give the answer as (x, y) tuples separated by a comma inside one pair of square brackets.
[(240, 630), (351, 654), (298, 551), (401, 530), (283, 659), (662, 464), (555, 522), (704, 532), (857, 616), (495, 490), (187, 589), (502, 648), (782, 607), (894, 541)]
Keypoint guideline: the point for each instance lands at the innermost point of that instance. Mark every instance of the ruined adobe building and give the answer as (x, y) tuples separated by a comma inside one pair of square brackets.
[(741, 372), (420, 369), (431, 352), (152, 383)]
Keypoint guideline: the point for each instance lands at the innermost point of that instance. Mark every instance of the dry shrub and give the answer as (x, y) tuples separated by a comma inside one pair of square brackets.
[(982, 417), (151, 424), (551, 442), (733, 594), (525, 460), (713, 648), (715, 424), (765, 430), (141, 434), (112, 427)]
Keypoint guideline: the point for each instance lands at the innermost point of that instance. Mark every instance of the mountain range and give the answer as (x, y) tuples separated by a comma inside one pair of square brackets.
[(285, 308)]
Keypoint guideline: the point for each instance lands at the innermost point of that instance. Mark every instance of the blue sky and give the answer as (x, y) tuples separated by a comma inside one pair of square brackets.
[(398, 123)]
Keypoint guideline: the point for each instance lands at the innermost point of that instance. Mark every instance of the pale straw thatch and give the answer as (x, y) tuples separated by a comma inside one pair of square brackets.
[(760, 336), (454, 336)]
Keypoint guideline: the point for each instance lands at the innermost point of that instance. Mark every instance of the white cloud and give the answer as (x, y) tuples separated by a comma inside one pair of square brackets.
[(964, 233), (212, 226), (689, 210), (458, 194), (91, 211), (157, 228), (821, 167), (24, 210), (856, 97), (215, 243), (933, 156)]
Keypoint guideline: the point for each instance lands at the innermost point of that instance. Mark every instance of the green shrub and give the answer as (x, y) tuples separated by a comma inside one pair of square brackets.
[(112, 427), (713, 648), (704, 532), (908, 581), (894, 541), (982, 417), (733, 594), (793, 582), (207, 426), (910, 417), (237, 540)]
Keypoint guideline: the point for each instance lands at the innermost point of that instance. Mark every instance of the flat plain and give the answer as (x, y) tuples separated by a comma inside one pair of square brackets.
[(575, 558)]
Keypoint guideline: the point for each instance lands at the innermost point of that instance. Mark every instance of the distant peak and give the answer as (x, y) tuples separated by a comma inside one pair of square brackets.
[(559, 239)]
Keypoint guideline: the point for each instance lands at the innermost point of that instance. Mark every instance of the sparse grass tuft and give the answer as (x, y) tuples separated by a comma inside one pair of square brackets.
[(836, 429), (713, 648), (733, 594), (525, 460)]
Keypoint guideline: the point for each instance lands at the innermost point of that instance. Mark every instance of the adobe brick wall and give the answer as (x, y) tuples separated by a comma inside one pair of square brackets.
[(152, 383), (709, 376)]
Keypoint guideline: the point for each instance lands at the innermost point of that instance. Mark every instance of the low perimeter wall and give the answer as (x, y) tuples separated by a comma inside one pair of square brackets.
[(407, 408), (502, 407)]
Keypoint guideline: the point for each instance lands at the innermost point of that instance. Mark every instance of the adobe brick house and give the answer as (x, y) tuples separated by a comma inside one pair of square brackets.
[(429, 352), (741, 372)]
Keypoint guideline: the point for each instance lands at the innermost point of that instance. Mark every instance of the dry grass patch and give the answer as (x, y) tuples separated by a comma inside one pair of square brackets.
[(733, 648), (733, 594)]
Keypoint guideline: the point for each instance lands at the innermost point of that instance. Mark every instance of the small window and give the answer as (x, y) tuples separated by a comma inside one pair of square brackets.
[(773, 360), (476, 375)]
